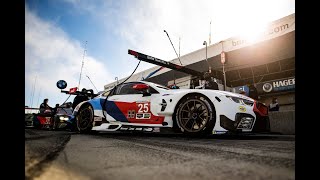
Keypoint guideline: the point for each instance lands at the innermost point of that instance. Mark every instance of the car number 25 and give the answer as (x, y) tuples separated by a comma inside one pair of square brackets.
[(143, 107)]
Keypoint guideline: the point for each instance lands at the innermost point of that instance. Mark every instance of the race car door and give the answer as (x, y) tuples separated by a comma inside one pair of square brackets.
[(132, 104)]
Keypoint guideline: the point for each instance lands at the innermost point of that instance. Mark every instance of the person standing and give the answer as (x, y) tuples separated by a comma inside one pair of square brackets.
[(211, 83), (274, 106), (253, 93), (44, 106), (80, 98), (55, 109)]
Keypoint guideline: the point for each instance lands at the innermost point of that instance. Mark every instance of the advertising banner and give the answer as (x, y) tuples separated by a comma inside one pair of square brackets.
[(279, 85), (275, 29)]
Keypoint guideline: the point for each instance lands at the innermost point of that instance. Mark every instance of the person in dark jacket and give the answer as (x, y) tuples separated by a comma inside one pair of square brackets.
[(274, 106), (211, 83), (44, 106), (80, 98), (55, 109), (253, 93)]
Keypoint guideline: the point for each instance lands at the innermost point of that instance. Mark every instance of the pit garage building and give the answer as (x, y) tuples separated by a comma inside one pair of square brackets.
[(268, 62)]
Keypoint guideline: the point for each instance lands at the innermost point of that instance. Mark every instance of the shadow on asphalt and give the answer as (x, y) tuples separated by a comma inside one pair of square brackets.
[(182, 136), (137, 134)]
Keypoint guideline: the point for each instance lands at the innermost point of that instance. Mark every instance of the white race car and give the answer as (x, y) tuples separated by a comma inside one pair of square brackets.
[(146, 106)]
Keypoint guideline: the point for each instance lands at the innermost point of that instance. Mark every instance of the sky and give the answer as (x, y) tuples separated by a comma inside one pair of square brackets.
[(60, 35)]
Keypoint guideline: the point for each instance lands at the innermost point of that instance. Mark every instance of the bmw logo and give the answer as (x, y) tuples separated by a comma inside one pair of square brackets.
[(267, 87), (61, 84)]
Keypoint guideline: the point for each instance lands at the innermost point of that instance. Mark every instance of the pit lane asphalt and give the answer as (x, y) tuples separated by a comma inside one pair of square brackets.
[(63, 155)]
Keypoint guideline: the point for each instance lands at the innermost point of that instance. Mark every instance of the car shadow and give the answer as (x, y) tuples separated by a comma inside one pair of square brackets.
[(251, 136)]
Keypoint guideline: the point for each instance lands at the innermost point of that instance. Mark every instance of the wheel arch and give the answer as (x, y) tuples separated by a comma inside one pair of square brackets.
[(87, 103), (175, 124), (79, 106)]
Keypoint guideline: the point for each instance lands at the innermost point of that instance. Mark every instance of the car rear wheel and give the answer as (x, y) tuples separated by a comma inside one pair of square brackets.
[(85, 119), (195, 115)]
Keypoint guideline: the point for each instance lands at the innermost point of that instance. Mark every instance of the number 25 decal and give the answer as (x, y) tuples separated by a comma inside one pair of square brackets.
[(143, 107)]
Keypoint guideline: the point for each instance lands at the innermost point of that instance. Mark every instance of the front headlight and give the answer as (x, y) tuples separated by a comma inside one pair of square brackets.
[(63, 118), (234, 99), (241, 100)]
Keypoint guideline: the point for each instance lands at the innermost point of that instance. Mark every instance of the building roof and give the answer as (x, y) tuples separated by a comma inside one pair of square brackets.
[(276, 43)]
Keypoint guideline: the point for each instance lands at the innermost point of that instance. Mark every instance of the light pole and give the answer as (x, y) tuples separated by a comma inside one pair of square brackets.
[(223, 60), (205, 43)]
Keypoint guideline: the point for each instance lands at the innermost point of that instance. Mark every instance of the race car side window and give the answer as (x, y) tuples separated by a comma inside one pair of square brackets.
[(128, 89)]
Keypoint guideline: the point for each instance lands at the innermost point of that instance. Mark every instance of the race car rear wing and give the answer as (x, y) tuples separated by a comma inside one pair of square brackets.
[(156, 61)]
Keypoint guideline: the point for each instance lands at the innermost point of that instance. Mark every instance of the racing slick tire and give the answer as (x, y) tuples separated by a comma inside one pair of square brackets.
[(195, 115), (51, 125), (36, 122), (85, 119)]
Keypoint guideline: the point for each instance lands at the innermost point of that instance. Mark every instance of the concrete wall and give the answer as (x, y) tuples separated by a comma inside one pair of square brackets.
[(282, 122), (286, 100)]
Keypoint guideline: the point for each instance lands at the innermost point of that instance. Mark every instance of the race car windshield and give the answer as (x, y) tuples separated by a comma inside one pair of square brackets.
[(105, 93), (160, 86)]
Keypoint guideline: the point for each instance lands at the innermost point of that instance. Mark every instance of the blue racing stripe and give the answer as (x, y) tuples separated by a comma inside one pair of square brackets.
[(96, 104), (114, 111)]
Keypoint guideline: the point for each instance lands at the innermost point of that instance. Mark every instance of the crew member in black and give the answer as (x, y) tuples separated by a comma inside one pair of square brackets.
[(253, 93), (274, 106), (80, 98), (44, 106), (211, 83), (55, 109)]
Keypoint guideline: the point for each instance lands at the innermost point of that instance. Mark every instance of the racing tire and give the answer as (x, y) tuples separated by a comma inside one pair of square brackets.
[(52, 124), (195, 115), (35, 122), (85, 119)]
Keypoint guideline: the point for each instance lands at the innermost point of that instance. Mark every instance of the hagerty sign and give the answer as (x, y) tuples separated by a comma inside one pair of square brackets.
[(286, 84)]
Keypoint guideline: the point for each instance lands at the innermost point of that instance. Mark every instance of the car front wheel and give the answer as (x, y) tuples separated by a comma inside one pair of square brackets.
[(195, 115), (85, 119)]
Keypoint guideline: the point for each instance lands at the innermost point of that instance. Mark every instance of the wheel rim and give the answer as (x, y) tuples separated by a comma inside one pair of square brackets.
[(193, 115), (84, 118)]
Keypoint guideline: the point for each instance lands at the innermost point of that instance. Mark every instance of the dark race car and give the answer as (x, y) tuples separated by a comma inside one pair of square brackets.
[(62, 119)]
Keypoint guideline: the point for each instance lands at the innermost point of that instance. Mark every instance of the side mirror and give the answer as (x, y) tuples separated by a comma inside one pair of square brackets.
[(143, 88), (61, 84)]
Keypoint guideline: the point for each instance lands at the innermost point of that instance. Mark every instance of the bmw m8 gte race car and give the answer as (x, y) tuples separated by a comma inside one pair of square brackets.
[(147, 106)]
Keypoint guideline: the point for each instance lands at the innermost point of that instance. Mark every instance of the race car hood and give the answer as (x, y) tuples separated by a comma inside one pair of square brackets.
[(235, 95)]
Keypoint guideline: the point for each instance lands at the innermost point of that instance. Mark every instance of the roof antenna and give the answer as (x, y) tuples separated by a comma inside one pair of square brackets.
[(173, 46), (84, 52), (92, 83), (174, 77)]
